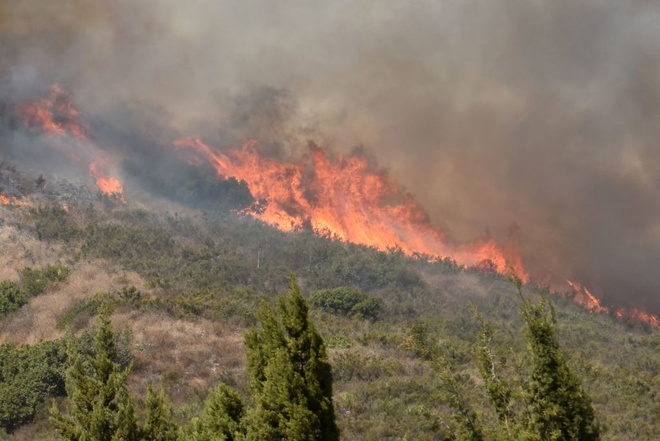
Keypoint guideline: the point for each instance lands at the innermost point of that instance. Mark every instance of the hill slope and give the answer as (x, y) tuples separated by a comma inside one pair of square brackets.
[(185, 284)]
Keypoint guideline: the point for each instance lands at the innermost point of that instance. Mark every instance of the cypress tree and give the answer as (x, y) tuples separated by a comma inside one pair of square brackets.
[(290, 376), (222, 418), (558, 408), (100, 407), (158, 425)]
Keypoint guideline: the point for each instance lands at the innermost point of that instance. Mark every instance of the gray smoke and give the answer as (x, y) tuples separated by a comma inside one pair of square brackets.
[(541, 117)]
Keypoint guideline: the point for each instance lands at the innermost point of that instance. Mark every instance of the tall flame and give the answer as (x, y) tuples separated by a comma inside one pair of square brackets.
[(345, 199), (57, 116)]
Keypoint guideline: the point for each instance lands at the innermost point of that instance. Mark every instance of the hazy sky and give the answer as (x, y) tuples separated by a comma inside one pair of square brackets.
[(541, 117)]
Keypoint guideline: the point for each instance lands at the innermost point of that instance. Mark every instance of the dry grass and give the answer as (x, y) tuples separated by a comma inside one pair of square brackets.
[(21, 249), (169, 350), (38, 319)]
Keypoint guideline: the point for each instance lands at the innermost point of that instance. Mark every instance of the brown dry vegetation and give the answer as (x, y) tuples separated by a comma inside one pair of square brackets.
[(38, 320), (21, 249), (181, 352)]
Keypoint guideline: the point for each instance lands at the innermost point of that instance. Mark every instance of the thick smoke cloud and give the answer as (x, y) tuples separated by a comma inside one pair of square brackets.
[(541, 117)]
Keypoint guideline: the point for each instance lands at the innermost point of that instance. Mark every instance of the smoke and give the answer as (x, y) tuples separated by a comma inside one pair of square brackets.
[(541, 117)]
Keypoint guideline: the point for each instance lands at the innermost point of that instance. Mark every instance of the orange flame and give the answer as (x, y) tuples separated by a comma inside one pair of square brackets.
[(107, 184), (636, 314), (345, 199), (585, 298), (56, 115), (4, 200)]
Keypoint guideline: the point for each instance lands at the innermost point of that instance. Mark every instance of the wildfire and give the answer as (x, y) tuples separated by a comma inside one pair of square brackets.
[(342, 197), (107, 184), (345, 199), (4, 200), (589, 301), (636, 314), (585, 298), (57, 116), (54, 115)]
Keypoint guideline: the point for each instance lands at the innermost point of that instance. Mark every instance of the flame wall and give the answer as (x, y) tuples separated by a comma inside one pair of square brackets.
[(539, 119)]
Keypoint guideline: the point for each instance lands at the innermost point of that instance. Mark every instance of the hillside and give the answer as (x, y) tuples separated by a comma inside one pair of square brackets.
[(185, 279)]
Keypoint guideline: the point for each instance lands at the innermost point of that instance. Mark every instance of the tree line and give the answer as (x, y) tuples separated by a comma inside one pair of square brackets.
[(291, 388)]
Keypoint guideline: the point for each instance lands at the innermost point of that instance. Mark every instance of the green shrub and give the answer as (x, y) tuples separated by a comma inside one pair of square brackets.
[(52, 222), (354, 366), (80, 313), (27, 376), (35, 281), (367, 308), (346, 301), (12, 297)]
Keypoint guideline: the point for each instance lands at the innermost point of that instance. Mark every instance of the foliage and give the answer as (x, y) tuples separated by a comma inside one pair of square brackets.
[(187, 305), (216, 265), (290, 376), (32, 282), (550, 404), (346, 301), (223, 414), (452, 384), (158, 421), (27, 376), (52, 222), (35, 281), (12, 297), (558, 408), (100, 407)]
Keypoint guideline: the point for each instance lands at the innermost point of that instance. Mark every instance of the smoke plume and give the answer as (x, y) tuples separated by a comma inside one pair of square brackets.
[(535, 118)]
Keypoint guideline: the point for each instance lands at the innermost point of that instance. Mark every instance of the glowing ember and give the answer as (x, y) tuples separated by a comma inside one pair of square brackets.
[(345, 199), (107, 184), (4, 200)]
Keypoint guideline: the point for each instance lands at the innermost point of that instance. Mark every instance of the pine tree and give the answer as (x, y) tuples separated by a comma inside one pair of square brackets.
[(552, 405), (222, 418), (100, 408), (290, 376), (557, 406), (158, 425)]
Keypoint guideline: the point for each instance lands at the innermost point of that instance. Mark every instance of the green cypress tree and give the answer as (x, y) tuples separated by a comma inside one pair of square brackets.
[(100, 408), (222, 418), (557, 406), (158, 424), (290, 376)]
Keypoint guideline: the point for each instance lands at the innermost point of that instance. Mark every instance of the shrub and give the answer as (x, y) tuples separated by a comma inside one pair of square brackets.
[(35, 281), (12, 297), (52, 222), (346, 301), (27, 376)]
